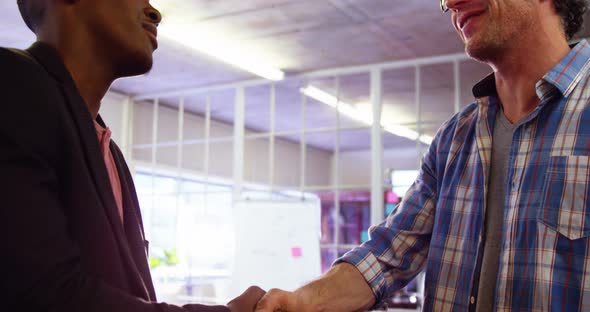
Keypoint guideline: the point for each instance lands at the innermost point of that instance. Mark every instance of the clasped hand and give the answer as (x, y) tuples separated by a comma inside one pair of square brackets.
[(276, 300)]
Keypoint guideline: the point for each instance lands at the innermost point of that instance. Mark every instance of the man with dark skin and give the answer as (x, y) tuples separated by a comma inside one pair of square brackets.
[(70, 219), (497, 215)]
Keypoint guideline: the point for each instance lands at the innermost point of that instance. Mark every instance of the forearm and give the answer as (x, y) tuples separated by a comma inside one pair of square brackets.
[(342, 288)]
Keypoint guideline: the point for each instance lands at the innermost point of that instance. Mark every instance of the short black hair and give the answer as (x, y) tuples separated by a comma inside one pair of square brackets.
[(32, 12), (572, 15)]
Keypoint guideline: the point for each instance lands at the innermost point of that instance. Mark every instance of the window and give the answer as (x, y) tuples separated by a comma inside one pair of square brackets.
[(266, 142), (402, 180), (190, 228)]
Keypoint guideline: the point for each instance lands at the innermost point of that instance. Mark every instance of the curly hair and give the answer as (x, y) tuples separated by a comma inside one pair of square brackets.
[(572, 15)]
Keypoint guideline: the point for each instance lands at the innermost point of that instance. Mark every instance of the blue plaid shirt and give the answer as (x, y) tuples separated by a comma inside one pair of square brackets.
[(438, 227)]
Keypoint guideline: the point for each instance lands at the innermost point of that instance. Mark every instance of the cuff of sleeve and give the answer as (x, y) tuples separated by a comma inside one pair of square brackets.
[(370, 267)]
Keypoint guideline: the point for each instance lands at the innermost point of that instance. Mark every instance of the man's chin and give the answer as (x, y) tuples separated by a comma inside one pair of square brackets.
[(477, 51), (135, 66)]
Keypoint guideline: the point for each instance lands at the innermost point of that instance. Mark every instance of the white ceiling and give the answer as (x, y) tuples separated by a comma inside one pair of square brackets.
[(300, 36)]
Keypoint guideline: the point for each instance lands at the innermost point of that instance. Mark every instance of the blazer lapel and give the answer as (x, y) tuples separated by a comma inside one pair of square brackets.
[(52, 62), (133, 221)]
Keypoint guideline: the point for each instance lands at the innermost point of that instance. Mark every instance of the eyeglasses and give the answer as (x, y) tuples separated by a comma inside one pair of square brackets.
[(443, 6)]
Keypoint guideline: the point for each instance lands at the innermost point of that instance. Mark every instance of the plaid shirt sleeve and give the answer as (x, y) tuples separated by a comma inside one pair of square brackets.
[(397, 248)]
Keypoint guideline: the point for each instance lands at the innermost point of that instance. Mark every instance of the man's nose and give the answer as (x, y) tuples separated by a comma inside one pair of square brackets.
[(154, 15)]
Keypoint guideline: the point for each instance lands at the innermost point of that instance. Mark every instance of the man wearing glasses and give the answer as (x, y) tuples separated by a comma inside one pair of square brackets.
[(498, 214)]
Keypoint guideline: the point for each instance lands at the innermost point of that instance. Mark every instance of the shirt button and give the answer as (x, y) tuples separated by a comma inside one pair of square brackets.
[(472, 300)]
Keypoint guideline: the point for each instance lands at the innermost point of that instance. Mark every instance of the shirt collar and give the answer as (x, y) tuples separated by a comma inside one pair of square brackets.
[(567, 73), (104, 135), (564, 76)]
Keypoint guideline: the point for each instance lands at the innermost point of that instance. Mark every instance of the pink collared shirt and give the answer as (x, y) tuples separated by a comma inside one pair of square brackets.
[(104, 138)]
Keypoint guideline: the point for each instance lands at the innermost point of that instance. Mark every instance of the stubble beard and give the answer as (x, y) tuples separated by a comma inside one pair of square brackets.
[(498, 37), (487, 45)]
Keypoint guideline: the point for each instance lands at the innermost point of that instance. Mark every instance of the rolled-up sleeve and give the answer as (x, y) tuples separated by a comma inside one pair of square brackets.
[(397, 248)]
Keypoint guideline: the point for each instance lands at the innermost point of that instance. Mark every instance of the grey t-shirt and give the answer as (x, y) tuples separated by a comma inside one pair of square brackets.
[(501, 142)]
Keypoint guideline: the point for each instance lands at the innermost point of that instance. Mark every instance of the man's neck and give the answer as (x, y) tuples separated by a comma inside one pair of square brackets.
[(92, 75), (93, 83), (518, 72)]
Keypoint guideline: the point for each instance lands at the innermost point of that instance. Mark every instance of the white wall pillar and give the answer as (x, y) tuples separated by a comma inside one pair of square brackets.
[(377, 206), (271, 140), (239, 129), (303, 145), (418, 103), (127, 127)]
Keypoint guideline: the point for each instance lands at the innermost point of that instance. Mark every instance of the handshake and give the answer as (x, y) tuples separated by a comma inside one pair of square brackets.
[(342, 288), (254, 299)]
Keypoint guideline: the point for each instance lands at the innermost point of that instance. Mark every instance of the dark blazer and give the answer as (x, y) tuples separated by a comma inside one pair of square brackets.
[(64, 247)]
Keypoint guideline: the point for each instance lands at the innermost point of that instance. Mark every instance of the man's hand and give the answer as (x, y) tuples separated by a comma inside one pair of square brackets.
[(343, 288), (246, 302), (284, 301)]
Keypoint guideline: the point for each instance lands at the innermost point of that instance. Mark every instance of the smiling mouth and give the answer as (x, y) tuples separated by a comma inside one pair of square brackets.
[(153, 39), (467, 20), (465, 24), (152, 34)]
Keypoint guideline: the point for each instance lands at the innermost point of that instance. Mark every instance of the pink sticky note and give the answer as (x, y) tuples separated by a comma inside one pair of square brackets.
[(392, 197), (296, 252)]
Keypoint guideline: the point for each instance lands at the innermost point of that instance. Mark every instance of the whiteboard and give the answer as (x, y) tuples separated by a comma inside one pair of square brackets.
[(277, 244)]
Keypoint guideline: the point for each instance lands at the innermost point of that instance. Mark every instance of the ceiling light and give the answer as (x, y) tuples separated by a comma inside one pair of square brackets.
[(344, 108), (407, 133), (362, 116), (212, 43), (320, 95)]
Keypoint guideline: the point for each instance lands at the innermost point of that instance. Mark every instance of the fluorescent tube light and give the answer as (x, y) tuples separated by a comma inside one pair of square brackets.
[(407, 133), (362, 116), (344, 108), (211, 43), (320, 95)]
